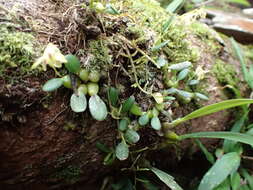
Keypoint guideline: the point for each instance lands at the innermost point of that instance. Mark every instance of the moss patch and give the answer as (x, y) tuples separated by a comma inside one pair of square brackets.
[(225, 73), (70, 174), (17, 52)]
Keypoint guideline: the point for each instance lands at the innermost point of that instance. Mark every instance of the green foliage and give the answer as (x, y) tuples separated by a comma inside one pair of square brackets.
[(52, 84), (131, 136), (113, 96), (208, 155), (17, 52), (212, 109), (101, 59), (122, 151), (225, 73), (73, 64), (241, 2), (166, 178), (221, 169), (247, 74), (127, 104), (155, 123), (143, 120), (97, 108), (174, 5), (238, 137), (78, 102), (123, 124)]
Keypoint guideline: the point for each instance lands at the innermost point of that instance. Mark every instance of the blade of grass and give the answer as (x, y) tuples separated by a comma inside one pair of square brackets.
[(238, 137), (229, 145), (208, 155), (241, 58), (212, 109), (174, 5)]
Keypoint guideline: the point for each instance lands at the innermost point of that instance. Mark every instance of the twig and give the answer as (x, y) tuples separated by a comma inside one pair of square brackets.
[(57, 115)]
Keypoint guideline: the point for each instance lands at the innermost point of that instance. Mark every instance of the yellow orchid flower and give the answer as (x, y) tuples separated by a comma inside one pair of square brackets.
[(200, 72), (52, 56)]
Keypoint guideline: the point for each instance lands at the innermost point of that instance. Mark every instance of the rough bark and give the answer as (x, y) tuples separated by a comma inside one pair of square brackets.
[(35, 148)]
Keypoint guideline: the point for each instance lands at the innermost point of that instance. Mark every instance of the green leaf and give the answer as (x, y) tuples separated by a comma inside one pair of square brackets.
[(111, 10), (127, 105), (228, 146), (212, 109), (123, 124), (184, 95), (161, 61), (159, 46), (102, 147), (235, 180), (136, 110), (132, 136), (143, 120), (193, 82), (73, 63), (245, 187), (180, 66), (208, 155), (78, 103), (123, 184), (113, 96), (201, 96), (248, 177), (225, 185), (167, 24), (109, 159), (155, 123), (241, 2), (250, 76), (174, 5), (97, 108), (239, 54), (166, 178), (52, 84), (182, 74), (122, 151), (221, 169), (239, 137)]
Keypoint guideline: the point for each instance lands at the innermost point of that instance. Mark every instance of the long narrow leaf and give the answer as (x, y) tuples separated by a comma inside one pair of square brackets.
[(166, 178), (241, 58), (229, 145), (208, 155), (212, 109), (238, 137), (174, 5), (248, 177), (222, 168)]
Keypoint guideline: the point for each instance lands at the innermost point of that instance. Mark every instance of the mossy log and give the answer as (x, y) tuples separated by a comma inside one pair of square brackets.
[(43, 142)]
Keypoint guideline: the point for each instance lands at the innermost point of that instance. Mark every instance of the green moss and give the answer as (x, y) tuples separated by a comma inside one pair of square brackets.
[(206, 35), (225, 73), (70, 174), (17, 52), (100, 55)]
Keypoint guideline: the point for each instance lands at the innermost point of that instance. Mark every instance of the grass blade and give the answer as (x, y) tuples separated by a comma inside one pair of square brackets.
[(229, 145), (241, 58), (238, 137), (221, 169), (174, 5), (248, 177), (166, 178), (208, 155), (212, 109)]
